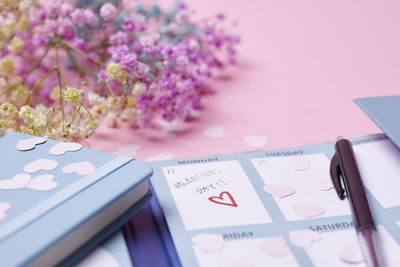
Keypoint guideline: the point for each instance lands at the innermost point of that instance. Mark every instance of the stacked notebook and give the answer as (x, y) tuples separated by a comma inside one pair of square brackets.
[(59, 200)]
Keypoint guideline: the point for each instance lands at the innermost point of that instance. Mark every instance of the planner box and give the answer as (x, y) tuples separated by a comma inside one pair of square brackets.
[(59, 200)]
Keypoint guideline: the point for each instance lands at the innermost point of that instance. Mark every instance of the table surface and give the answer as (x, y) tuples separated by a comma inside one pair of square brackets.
[(300, 65)]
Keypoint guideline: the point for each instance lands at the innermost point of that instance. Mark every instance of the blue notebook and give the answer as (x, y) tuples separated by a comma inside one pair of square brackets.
[(385, 112), (60, 200)]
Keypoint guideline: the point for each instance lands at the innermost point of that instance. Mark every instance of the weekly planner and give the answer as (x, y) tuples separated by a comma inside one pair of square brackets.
[(277, 207)]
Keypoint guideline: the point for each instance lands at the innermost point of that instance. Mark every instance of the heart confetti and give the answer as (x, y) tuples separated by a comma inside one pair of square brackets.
[(161, 156), (256, 140), (43, 183), (81, 168), (280, 191), (225, 198), (299, 163), (215, 132), (29, 144), (62, 148), (325, 184), (274, 246), (351, 253), (19, 181), (308, 211), (40, 164), (129, 150), (209, 242), (4, 206), (304, 238)]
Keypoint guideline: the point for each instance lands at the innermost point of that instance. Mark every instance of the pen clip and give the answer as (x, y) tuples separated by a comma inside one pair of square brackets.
[(336, 176)]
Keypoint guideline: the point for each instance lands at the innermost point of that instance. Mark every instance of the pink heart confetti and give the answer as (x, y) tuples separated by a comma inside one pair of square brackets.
[(299, 163), (19, 181), (129, 150), (61, 148), (81, 168), (4, 206), (161, 156), (308, 211), (280, 191), (351, 253), (43, 183), (256, 140), (40, 164), (325, 184), (209, 242), (28, 144), (304, 238), (215, 132), (274, 246)]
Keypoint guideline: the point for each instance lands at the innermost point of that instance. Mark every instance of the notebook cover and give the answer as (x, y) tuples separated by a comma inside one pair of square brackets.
[(35, 220), (385, 112)]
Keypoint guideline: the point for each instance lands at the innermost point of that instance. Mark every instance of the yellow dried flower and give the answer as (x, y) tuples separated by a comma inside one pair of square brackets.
[(23, 23), (111, 101), (7, 66), (6, 123), (27, 114), (116, 72), (97, 111), (138, 89), (8, 109), (16, 45), (131, 102), (55, 93), (10, 25), (73, 95)]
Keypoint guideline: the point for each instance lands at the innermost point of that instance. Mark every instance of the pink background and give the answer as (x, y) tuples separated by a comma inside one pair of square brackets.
[(301, 64)]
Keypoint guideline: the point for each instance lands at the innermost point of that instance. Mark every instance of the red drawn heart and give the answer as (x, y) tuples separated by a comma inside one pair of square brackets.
[(220, 199)]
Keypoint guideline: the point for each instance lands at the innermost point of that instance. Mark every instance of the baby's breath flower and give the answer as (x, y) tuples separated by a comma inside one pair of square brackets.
[(138, 89), (111, 101), (8, 109), (95, 99), (116, 72), (111, 119), (16, 45), (27, 114), (23, 23), (73, 95), (7, 66), (40, 121)]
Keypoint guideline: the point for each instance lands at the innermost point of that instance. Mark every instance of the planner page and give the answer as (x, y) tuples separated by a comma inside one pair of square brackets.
[(277, 208)]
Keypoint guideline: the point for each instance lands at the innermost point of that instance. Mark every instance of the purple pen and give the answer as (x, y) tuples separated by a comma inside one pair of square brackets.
[(344, 170)]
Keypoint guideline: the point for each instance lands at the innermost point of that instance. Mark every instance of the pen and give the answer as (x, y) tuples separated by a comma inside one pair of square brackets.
[(344, 171)]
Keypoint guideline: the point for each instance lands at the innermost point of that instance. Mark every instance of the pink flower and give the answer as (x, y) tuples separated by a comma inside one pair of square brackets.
[(128, 25), (80, 44), (41, 15), (66, 9), (51, 26), (89, 17), (108, 11), (39, 40), (119, 38), (66, 29), (78, 16)]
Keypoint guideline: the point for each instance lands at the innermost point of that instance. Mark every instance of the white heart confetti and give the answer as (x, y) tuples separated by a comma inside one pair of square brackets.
[(129, 150), (161, 156), (308, 211), (40, 164), (299, 163), (256, 140), (325, 184), (81, 168), (43, 183), (209, 242), (62, 148), (4, 206), (351, 253), (279, 190), (275, 246), (304, 238), (28, 144), (17, 182), (215, 132)]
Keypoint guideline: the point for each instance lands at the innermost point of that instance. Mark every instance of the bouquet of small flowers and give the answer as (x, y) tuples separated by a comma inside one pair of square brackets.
[(65, 67)]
